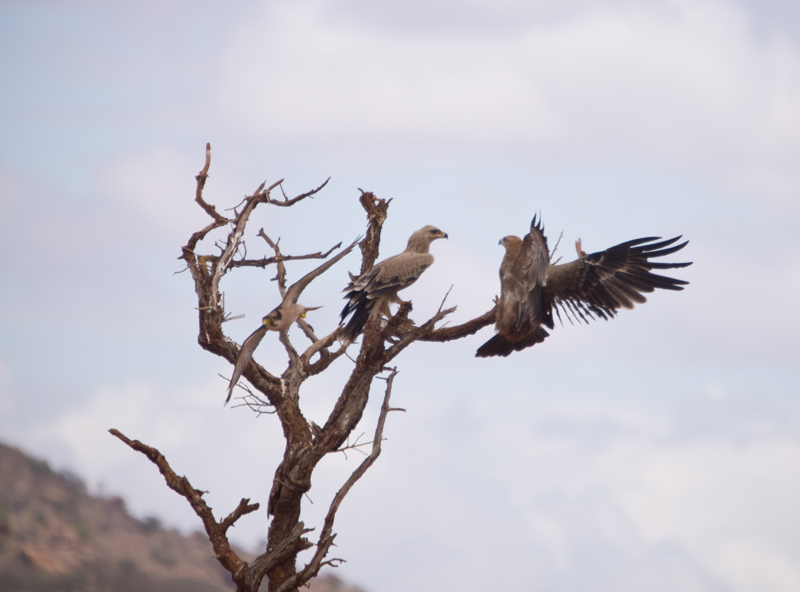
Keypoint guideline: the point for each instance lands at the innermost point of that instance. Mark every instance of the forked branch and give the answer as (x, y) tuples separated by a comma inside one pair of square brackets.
[(327, 536), (216, 531)]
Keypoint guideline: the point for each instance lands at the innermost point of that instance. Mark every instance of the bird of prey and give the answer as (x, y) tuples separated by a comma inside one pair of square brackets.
[(592, 286), (369, 295), (281, 318)]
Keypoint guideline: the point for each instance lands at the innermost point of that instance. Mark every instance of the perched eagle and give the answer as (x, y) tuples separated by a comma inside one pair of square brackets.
[(281, 318), (595, 285), (369, 295)]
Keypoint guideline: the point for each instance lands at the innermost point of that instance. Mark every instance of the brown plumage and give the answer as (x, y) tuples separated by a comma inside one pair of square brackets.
[(281, 318), (369, 295), (595, 285)]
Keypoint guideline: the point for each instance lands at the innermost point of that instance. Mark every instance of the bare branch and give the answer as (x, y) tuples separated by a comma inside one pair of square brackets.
[(209, 209), (289, 547), (306, 443), (307, 330), (555, 248), (376, 214), (253, 402), (289, 202), (201, 182), (294, 358), (216, 531), (265, 261), (281, 277), (232, 245), (326, 537), (445, 298), (326, 357), (457, 332)]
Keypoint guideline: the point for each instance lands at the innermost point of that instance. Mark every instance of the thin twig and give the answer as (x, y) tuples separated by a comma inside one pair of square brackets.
[(289, 202), (444, 299), (281, 276), (553, 252)]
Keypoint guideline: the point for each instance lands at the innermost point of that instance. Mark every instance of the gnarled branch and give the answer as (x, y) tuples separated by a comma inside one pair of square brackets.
[(306, 443)]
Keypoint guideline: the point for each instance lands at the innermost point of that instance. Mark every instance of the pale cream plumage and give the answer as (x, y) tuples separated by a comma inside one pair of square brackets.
[(370, 294)]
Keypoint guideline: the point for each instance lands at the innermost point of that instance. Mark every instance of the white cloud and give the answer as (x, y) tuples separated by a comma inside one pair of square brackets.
[(576, 484), (592, 494), (137, 411), (516, 467), (212, 446), (684, 83), (158, 184)]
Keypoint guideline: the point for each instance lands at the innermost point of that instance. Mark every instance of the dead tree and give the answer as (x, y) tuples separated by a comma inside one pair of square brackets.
[(306, 443)]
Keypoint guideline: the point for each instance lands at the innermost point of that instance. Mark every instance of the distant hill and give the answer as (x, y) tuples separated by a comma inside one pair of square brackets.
[(55, 537)]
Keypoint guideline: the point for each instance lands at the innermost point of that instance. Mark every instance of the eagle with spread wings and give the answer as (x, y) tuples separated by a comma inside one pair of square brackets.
[(595, 285)]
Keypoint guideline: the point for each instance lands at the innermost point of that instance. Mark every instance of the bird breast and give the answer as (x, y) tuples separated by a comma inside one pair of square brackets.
[(289, 314)]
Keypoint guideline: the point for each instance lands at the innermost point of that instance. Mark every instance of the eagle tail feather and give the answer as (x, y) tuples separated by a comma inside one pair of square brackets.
[(500, 346), (355, 325)]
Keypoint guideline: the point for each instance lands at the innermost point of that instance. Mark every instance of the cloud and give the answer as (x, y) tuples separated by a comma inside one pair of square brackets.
[(156, 183), (588, 461), (132, 410), (601, 495), (211, 448), (613, 494), (681, 83)]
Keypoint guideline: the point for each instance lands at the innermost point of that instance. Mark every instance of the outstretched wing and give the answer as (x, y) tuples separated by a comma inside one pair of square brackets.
[(294, 291), (245, 355), (292, 294), (598, 285)]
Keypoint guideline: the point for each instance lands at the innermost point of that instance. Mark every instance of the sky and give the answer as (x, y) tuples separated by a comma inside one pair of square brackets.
[(657, 451)]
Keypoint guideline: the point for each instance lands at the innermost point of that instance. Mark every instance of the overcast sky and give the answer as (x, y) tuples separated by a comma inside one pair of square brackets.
[(658, 451)]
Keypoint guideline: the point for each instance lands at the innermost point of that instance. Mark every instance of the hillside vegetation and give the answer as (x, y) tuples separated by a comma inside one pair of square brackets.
[(55, 537)]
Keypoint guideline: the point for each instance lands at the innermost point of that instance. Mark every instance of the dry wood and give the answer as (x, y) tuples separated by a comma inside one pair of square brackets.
[(306, 443)]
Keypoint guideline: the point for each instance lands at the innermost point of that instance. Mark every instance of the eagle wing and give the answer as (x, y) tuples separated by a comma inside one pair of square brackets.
[(380, 285), (393, 274), (531, 269), (598, 285), (523, 306)]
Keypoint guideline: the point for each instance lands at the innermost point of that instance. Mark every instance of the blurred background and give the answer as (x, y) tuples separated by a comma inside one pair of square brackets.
[(657, 451)]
